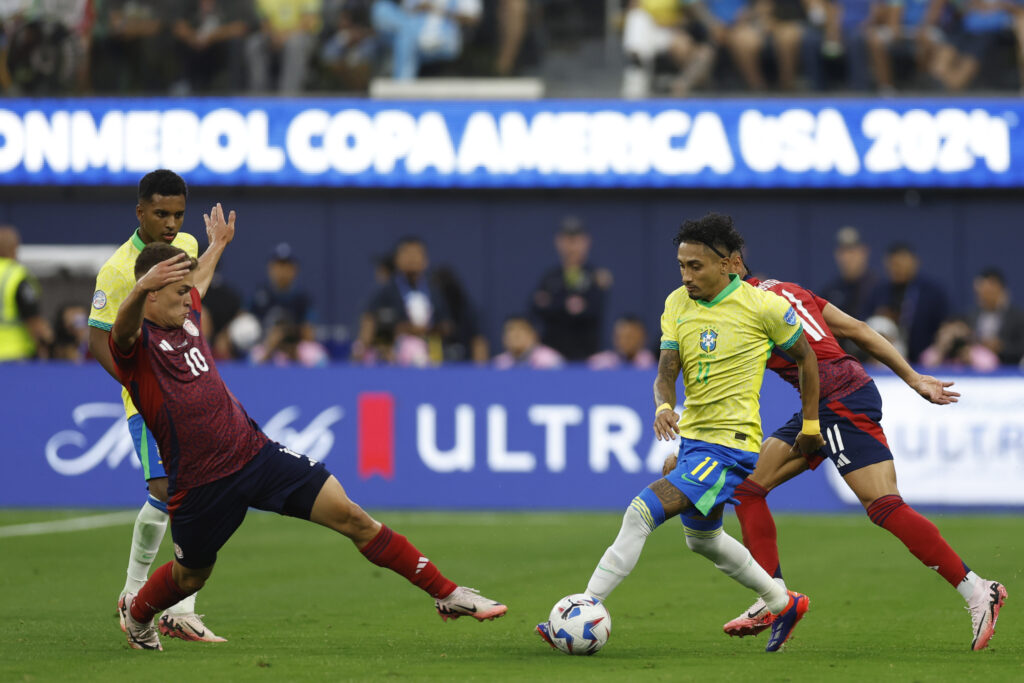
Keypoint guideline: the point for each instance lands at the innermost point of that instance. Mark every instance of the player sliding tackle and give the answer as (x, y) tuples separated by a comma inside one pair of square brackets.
[(717, 331), (218, 461)]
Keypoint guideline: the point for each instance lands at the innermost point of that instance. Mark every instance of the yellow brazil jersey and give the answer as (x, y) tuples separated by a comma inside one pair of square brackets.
[(723, 346), (116, 279)]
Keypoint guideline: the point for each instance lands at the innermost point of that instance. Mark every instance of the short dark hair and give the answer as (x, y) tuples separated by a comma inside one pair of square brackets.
[(407, 240), (900, 248), (162, 182), (632, 319), (518, 318), (991, 273), (158, 252), (714, 230)]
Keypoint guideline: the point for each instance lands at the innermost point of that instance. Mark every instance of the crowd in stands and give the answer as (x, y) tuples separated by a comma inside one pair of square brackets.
[(417, 315), (669, 47)]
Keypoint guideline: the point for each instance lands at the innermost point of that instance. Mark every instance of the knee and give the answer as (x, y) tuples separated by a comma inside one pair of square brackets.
[(191, 583), (703, 544), (881, 508)]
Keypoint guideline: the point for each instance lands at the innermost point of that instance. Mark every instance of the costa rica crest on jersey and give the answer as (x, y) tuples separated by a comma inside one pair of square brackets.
[(708, 339), (191, 328)]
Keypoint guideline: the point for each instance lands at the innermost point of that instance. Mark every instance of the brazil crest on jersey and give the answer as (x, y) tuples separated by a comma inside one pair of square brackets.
[(723, 346), (117, 278)]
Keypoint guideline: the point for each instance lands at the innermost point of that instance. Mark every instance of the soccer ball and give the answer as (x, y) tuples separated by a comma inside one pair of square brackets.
[(578, 625)]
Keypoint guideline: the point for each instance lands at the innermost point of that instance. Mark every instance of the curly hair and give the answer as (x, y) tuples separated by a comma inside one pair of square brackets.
[(714, 230)]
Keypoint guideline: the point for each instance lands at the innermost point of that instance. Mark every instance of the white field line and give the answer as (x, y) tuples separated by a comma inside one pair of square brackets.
[(74, 524)]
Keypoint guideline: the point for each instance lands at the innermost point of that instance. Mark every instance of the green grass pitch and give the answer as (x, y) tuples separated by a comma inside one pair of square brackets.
[(298, 603)]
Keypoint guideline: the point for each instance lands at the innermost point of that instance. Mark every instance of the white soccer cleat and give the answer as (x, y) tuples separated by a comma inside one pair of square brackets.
[(188, 627), (140, 636), (751, 622), (465, 601), (984, 606), (120, 616)]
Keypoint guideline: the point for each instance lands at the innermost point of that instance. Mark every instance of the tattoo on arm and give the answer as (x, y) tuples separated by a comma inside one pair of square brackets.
[(668, 372)]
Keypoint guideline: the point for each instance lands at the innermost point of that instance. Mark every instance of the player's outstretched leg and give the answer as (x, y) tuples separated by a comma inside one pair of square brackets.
[(386, 548), (984, 606), (923, 539)]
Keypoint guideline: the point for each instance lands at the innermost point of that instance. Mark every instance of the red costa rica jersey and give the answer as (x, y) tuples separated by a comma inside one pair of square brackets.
[(202, 430), (839, 373)]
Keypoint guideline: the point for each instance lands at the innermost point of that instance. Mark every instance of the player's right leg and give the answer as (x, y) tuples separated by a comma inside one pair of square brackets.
[(322, 499)]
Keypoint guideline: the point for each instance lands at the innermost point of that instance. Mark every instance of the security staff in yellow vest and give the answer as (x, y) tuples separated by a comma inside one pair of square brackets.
[(23, 332)]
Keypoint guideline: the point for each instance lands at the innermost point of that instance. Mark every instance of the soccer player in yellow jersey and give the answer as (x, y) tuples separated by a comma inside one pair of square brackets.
[(161, 212), (717, 331)]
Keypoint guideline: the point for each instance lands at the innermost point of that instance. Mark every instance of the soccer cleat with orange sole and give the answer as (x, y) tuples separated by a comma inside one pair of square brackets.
[(786, 620)]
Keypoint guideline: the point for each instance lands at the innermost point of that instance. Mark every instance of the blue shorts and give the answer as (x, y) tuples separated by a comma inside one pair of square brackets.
[(850, 426), (708, 473), (204, 518), (145, 448)]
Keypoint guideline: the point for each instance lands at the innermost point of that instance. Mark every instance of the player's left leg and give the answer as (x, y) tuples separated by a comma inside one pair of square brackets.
[(875, 487)]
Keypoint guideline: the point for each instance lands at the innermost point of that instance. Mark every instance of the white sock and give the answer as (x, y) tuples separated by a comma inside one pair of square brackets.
[(150, 526), (736, 562), (967, 586), (781, 581), (622, 555), (186, 606)]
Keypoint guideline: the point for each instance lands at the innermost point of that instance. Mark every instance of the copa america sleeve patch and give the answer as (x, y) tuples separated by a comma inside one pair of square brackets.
[(99, 299), (790, 316)]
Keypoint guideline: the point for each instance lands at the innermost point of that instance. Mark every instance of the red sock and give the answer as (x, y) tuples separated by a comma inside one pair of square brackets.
[(920, 536), (758, 526), (159, 593), (394, 551)]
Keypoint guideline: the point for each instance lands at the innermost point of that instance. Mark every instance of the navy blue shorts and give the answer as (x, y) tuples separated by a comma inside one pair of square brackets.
[(277, 479), (851, 428)]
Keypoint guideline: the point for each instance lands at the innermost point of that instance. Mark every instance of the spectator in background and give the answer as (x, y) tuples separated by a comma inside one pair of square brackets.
[(513, 19), (350, 50), (834, 50), (210, 37), (957, 59), (996, 322), (898, 29), (285, 40), (629, 347), (130, 44), (915, 303), (419, 31), (890, 331), (570, 299), (47, 45), (463, 341), (523, 347), (24, 333), (284, 345), (71, 333), (407, 318), (851, 290), (746, 28), (657, 28), (955, 346), (282, 308), (221, 305)]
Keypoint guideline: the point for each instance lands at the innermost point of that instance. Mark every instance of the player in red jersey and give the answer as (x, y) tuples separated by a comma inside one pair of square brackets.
[(850, 411), (218, 461)]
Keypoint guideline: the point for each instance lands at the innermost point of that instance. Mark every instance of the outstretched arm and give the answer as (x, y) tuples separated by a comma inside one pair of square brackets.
[(847, 327), (219, 232), (666, 419), (128, 324), (809, 440)]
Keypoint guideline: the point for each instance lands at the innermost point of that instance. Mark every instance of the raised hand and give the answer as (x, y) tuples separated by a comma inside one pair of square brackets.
[(219, 230)]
